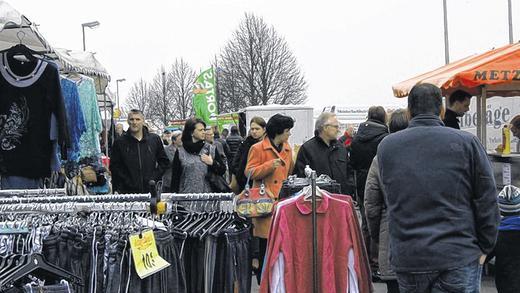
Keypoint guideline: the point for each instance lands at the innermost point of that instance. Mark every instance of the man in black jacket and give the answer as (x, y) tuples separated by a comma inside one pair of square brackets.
[(441, 200), (233, 141), (323, 153), (137, 157), (458, 104)]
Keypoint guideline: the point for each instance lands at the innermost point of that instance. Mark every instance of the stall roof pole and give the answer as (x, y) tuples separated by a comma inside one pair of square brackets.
[(446, 43), (483, 131), (510, 17)]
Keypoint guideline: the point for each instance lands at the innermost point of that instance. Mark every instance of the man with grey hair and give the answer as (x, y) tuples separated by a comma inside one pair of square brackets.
[(324, 153)]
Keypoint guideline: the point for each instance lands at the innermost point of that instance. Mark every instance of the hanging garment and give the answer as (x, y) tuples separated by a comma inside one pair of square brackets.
[(89, 142), (75, 119), (288, 267), (29, 93)]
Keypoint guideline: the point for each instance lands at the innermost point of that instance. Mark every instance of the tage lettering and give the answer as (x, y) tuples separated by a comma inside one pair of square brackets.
[(495, 118)]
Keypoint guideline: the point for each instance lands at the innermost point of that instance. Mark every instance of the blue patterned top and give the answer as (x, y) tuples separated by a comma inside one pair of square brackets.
[(75, 119), (89, 142)]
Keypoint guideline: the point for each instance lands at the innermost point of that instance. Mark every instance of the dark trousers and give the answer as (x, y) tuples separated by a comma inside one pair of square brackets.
[(170, 279), (262, 249), (507, 262), (464, 279), (233, 263), (392, 286)]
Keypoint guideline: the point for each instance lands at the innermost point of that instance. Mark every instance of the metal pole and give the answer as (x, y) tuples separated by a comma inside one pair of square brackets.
[(117, 92), (83, 30), (314, 236), (165, 122), (105, 121), (446, 43), (510, 14)]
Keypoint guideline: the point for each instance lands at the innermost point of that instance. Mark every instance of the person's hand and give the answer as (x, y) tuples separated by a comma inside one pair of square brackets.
[(277, 163), (208, 160)]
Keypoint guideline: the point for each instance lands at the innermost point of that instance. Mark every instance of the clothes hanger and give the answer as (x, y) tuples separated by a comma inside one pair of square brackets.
[(37, 266)]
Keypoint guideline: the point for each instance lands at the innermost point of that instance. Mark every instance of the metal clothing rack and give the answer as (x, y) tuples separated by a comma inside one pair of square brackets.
[(32, 192), (74, 207), (146, 202), (314, 234), (144, 197)]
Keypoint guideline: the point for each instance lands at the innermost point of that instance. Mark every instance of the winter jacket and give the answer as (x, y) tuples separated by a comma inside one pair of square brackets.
[(451, 119), (329, 160), (377, 219), (233, 141), (260, 162), (363, 150), (134, 163), (441, 196), (238, 166)]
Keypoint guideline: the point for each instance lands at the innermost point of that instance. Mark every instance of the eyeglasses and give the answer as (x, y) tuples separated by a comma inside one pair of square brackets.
[(334, 126)]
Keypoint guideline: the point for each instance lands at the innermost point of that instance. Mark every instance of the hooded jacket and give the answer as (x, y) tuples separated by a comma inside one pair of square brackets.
[(134, 163), (365, 142)]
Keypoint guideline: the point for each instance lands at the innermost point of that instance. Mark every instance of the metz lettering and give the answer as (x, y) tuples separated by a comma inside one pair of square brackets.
[(497, 75)]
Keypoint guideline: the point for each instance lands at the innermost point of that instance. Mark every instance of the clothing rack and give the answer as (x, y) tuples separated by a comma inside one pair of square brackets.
[(32, 192), (73, 207), (144, 197), (314, 234), (104, 203)]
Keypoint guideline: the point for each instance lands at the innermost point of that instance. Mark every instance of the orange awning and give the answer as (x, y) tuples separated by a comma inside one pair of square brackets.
[(499, 69)]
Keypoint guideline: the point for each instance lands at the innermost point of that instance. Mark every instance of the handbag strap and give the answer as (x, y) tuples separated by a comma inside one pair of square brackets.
[(247, 187)]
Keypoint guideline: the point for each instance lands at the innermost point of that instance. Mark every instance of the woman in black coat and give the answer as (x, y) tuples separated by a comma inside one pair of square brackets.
[(238, 166)]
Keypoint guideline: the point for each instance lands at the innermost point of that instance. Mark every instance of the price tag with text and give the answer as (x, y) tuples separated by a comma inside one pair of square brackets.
[(147, 260)]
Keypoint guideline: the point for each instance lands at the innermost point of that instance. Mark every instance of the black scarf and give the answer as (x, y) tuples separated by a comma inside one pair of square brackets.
[(193, 147)]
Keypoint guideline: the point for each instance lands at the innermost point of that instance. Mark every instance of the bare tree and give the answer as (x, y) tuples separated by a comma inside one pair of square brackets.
[(162, 103), (181, 77), (256, 67), (139, 97)]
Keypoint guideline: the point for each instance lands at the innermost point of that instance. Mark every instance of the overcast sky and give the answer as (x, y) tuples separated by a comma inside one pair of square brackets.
[(351, 52)]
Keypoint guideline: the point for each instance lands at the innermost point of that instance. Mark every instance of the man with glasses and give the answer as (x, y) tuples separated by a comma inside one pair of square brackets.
[(138, 156), (324, 153)]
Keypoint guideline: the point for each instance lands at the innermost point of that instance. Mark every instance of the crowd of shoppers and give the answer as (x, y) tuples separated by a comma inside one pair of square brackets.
[(425, 189)]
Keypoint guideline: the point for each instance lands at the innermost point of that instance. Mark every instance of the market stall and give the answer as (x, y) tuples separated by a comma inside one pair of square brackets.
[(495, 73)]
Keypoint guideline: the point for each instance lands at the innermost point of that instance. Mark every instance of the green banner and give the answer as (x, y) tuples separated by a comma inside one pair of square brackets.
[(205, 97)]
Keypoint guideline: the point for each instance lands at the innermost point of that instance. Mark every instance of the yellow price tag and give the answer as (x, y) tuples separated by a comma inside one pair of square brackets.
[(147, 260)]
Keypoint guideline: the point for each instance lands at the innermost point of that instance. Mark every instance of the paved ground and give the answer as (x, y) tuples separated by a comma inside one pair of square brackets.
[(488, 286)]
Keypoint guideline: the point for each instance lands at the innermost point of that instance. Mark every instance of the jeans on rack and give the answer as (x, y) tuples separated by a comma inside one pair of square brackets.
[(50, 248), (233, 262), (96, 270), (115, 275), (170, 279), (194, 264), (81, 261), (238, 262), (210, 257)]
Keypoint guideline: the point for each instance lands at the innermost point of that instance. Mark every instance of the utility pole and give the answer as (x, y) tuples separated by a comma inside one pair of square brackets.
[(446, 43), (165, 110)]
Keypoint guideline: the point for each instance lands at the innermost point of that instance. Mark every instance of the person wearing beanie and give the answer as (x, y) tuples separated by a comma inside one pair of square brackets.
[(507, 254)]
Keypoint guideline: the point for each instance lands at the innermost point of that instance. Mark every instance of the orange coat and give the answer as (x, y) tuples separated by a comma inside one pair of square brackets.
[(260, 161)]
